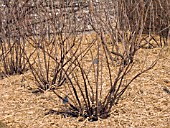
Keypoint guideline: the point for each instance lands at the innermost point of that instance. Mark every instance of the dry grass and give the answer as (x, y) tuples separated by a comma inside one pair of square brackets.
[(146, 103)]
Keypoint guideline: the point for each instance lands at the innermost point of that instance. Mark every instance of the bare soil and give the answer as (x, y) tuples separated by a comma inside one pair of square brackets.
[(146, 103)]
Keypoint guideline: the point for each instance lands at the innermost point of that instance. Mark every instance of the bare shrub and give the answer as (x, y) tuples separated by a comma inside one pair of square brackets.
[(157, 19), (106, 68), (53, 42), (12, 46)]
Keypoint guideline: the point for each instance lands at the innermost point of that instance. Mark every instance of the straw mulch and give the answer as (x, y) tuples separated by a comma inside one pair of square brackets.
[(146, 103)]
